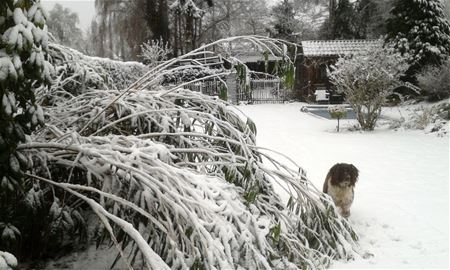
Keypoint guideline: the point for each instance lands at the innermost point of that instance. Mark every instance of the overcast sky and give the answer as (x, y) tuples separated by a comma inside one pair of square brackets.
[(84, 8)]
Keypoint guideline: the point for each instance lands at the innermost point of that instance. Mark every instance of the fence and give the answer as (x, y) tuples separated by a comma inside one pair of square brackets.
[(207, 87), (261, 90)]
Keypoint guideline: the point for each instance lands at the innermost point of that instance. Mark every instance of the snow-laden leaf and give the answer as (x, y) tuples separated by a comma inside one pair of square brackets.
[(7, 261), (34, 198), (10, 234)]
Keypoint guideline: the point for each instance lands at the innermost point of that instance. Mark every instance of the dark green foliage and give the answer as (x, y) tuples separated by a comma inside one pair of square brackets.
[(420, 29), (22, 67), (39, 224), (223, 95), (275, 233), (288, 75), (32, 220)]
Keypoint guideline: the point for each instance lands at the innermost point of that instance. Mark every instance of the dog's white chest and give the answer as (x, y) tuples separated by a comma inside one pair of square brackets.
[(341, 195)]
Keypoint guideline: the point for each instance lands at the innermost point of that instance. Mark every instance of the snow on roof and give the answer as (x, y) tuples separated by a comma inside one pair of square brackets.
[(337, 47)]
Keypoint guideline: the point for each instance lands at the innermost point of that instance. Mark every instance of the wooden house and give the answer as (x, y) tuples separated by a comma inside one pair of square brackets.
[(316, 56)]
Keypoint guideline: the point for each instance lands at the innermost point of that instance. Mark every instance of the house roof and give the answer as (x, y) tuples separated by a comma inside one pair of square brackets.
[(313, 48)]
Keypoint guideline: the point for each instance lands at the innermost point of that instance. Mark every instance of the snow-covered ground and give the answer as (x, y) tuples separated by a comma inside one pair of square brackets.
[(401, 207)]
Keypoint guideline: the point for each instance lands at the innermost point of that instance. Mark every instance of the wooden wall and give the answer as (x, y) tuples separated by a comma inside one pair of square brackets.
[(310, 75)]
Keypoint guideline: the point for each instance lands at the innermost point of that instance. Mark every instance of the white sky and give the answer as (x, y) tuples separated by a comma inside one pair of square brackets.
[(84, 8)]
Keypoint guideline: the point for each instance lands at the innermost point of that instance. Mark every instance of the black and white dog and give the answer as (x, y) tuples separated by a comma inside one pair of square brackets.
[(339, 184)]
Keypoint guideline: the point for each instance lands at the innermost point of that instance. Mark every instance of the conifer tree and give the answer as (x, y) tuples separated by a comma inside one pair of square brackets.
[(420, 29), (23, 68)]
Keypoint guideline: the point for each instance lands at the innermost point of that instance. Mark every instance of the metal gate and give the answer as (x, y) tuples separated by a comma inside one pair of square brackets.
[(267, 90), (263, 91)]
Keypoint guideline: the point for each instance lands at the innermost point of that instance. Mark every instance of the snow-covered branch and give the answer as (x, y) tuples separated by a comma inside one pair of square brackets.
[(183, 169)]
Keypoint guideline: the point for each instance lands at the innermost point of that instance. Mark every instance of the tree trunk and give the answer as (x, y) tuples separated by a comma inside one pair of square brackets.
[(175, 38), (110, 37), (331, 18), (101, 43), (157, 17), (189, 37), (163, 21)]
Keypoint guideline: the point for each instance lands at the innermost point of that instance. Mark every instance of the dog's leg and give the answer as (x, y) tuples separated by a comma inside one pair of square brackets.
[(346, 205), (345, 210)]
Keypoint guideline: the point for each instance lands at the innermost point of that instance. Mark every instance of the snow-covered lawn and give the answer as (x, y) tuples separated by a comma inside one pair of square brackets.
[(401, 207)]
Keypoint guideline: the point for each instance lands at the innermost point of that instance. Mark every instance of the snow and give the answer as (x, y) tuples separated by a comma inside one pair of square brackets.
[(6, 105), (19, 18), (401, 206), (7, 261), (400, 210)]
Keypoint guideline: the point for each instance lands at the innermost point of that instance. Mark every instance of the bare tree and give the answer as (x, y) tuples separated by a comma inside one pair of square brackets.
[(62, 23), (233, 18), (120, 28)]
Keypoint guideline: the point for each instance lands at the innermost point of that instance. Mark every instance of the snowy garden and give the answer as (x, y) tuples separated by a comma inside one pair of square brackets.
[(167, 162)]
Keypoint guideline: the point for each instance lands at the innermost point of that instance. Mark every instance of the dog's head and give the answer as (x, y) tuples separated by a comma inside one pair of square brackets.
[(343, 175)]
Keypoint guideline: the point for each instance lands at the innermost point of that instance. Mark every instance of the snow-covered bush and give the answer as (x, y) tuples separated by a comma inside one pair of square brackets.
[(155, 52), (337, 112), (175, 176), (184, 170), (76, 72), (436, 81), (430, 118), (367, 79)]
